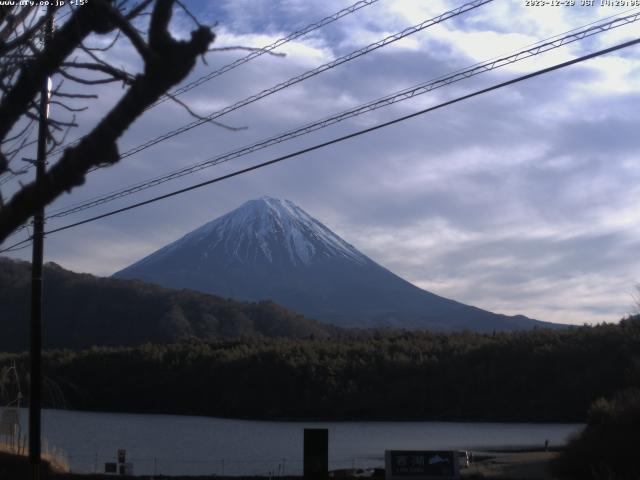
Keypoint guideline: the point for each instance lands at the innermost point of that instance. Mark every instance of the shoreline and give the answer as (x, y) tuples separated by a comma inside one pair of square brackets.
[(268, 419), (531, 465), (524, 465)]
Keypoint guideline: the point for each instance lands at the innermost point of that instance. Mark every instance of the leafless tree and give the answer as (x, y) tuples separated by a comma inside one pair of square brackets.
[(67, 56)]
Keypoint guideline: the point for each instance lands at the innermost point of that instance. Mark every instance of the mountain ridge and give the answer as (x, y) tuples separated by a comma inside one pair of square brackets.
[(272, 249), (82, 310)]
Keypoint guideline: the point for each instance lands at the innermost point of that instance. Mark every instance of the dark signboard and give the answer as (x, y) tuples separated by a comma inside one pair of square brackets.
[(316, 453), (423, 464), (110, 467), (122, 455)]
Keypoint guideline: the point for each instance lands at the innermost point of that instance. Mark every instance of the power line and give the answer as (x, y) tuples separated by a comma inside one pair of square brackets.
[(251, 56), (365, 108), (355, 134), (235, 64), (292, 36), (308, 74), (17, 246), (299, 78), (369, 48)]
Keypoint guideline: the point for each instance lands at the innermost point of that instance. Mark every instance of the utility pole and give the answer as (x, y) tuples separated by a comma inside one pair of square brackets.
[(35, 352)]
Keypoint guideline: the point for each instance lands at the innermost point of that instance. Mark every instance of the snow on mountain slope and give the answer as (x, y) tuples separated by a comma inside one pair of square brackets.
[(272, 249), (266, 227)]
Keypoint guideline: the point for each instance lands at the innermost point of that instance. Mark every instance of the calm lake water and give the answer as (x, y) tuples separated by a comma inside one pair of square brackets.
[(172, 444)]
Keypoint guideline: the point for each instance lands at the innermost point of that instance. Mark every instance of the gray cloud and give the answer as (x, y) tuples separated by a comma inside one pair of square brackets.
[(520, 201)]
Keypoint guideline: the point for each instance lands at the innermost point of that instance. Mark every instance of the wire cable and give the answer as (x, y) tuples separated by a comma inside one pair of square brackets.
[(365, 108), (297, 79), (360, 52), (294, 35), (266, 49), (17, 246), (251, 56), (308, 74), (235, 64), (352, 135)]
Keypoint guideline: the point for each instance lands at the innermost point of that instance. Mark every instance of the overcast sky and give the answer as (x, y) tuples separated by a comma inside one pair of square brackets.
[(521, 201)]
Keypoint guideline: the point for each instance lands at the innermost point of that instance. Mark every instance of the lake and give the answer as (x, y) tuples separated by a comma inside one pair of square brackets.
[(173, 444)]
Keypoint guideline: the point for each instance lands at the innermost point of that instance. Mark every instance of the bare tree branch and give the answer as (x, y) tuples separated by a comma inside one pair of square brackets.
[(249, 49), (62, 43), (125, 27), (19, 134), (57, 142), (188, 12), (73, 95), (8, 46), (200, 117), (13, 20), (85, 81), (116, 37), (67, 107), (168, 62), (137, 10), (115, 73)]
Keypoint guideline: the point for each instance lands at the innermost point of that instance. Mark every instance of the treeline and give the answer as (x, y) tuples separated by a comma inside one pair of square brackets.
[(538, 375), (83, 310)]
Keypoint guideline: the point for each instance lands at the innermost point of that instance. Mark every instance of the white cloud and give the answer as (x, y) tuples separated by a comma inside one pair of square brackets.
[(520, 201)]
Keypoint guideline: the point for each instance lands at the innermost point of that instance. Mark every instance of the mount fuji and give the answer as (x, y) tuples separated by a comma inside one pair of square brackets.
[(272, 249)]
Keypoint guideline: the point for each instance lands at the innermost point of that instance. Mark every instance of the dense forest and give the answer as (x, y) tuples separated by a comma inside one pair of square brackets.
[(608, 447), (83, 310), (539, 375)]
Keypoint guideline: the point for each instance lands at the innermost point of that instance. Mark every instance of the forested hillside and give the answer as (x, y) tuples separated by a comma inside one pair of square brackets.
[(82, 310), (540, 375)]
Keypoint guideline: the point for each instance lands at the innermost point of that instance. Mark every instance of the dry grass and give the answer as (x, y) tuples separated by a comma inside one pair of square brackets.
[(55, 457)]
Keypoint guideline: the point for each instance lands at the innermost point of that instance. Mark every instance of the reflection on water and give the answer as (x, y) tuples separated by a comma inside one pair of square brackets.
[(172, 444)]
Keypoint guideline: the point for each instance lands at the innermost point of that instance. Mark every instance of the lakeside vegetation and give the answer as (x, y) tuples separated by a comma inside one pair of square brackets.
[(537, 376), (608, 446)]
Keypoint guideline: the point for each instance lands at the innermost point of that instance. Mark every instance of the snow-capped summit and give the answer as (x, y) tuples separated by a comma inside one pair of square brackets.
[(271, 230), (272, 249)]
